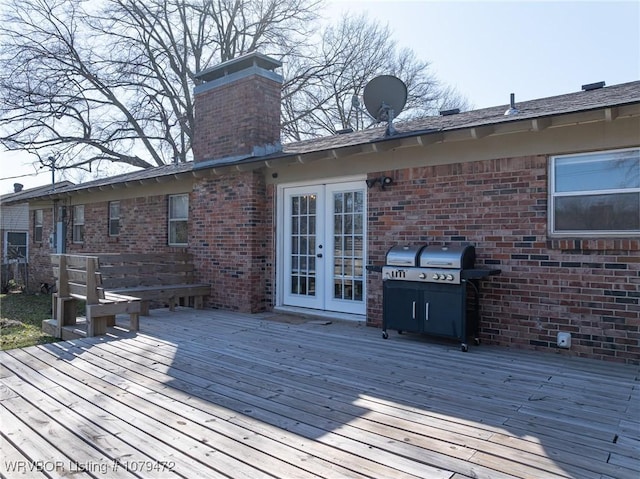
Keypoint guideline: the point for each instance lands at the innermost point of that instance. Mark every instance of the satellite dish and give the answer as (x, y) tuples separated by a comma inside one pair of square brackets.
[(384, 99)]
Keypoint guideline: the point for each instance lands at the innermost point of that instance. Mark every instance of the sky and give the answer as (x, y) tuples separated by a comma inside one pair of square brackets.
[(486, 50)]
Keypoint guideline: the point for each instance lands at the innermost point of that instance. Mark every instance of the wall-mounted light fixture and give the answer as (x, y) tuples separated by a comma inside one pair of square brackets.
[(383, 180)]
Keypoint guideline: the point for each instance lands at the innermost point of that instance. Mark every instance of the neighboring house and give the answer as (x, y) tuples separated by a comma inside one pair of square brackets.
[(20, 230), (550, 195)]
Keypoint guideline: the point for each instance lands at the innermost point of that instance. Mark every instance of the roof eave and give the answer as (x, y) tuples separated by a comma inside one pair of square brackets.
[(475, 131)]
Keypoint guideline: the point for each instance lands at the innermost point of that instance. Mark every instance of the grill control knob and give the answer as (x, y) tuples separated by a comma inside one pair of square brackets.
[(422, 276), (442, 277), (436, 276), (450, 277)]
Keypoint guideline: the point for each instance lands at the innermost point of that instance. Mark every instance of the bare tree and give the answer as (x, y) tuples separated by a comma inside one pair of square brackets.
[(353, 52), (112, 81)]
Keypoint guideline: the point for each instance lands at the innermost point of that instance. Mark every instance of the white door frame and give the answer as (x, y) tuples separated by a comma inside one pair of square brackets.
[(280, 237)]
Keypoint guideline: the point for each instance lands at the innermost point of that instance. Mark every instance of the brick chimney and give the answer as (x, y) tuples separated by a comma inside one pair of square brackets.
[(237, 110)]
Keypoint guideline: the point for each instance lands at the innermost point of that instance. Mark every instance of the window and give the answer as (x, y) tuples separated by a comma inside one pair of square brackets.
[(15, 247), (78, 224), (38, 220), (114, 218), (178, 219), (596, 193)]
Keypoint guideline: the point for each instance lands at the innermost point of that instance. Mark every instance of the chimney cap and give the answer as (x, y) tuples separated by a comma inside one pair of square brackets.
[(244, 62)]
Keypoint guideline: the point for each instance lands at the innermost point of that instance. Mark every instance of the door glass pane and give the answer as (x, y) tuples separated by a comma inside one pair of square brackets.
[(337, 205), (348, 198), (337, 223), (337, 293), (303, 243), (357, 290), (348, 245), (337, 267), (359, 202), (348, 223), (357, 224)]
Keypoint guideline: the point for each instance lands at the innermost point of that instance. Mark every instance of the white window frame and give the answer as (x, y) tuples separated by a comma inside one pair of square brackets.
[(114, 220), (553, 195), (78, 224), (5, 253), (38, 225), (178, 219)]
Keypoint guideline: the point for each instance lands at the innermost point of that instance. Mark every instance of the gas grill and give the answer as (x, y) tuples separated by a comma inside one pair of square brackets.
[(428, 264), (425, 290)]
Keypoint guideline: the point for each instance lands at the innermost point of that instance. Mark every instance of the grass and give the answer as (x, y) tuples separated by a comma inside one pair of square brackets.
[(21, 318)]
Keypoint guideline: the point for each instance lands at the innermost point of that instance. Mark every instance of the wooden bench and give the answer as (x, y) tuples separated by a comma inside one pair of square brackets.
[(79, 278), (165, 278)]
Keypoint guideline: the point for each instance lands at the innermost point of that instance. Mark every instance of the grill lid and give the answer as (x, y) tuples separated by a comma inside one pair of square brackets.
[(449, 257), (404, 255)]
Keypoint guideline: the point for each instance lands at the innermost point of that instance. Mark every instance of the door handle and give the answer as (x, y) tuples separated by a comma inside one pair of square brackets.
[(426, 311), (414, 310), (319, 255)]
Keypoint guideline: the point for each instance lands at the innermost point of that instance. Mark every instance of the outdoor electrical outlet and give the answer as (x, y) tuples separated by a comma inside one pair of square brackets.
[(564, 340)]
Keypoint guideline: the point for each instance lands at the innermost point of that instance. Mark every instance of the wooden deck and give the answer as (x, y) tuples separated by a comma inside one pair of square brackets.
[(214, 394)]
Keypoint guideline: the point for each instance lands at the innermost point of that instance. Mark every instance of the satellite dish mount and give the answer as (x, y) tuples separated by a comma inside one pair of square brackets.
[(384, 99)]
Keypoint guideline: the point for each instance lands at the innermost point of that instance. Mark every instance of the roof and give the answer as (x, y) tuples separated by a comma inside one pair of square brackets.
[(480, 122), (616, 95), (24, 195), (66, 188)]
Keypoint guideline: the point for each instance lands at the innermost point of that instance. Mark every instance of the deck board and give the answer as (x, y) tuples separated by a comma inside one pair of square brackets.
[(222, 394)]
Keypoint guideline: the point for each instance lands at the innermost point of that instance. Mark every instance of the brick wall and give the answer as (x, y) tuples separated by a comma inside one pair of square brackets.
[(589, 288), (39, 261), (143, 229), (229, 236), (231, 241)]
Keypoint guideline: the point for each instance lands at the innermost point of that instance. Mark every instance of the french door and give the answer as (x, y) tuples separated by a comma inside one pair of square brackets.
[(324, 238)]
